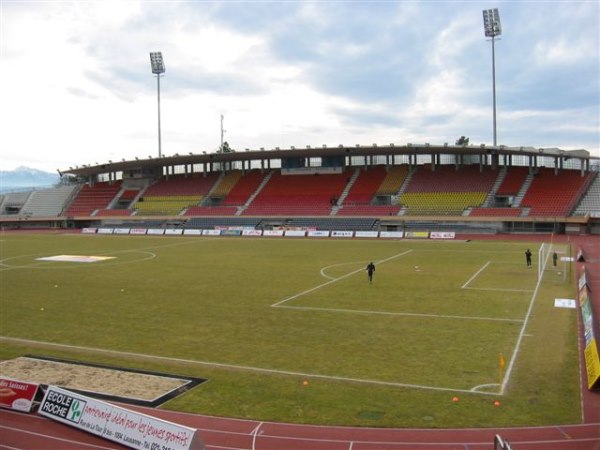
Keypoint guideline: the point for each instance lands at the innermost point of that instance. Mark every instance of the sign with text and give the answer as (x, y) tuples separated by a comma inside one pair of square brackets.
[(17, 395), (592, 359), (442, 235), (342, 234), (121, 425), (273, 233), (251, 232)]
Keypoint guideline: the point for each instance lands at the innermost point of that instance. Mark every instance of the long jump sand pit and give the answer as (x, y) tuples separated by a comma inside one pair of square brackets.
[(105, 382)]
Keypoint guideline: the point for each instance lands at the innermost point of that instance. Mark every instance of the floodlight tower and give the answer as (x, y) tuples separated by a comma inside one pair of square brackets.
[(158, 68), (492, 28)]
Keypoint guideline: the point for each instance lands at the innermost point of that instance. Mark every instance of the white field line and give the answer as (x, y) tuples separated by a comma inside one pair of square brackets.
[(334, 280), (498, 289), (143, 250), (466, 285), (513, 358), (476, 273), (355, 311), (49, 437), (386, 313), (142, 356)]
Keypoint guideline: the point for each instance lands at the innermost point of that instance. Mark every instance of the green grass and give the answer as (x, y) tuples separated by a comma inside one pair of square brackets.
[(393, 353)]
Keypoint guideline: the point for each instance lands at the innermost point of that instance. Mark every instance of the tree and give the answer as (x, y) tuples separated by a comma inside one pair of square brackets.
[(225, 148), (462, 141)]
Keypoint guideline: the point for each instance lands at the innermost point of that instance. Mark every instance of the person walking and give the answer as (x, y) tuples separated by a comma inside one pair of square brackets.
[(528, 258), (554, 259), (370, 270)]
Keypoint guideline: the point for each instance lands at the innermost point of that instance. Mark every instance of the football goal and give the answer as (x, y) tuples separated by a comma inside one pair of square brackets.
[(554, 260)]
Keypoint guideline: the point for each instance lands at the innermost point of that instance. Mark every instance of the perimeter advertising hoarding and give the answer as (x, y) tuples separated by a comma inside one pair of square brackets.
[(17, 395), (391, 234), (592, 358), (342, 234), (318, 233), (121, 425)]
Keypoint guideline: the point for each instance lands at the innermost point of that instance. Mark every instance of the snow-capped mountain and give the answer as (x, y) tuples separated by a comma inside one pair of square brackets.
[(26, 177)]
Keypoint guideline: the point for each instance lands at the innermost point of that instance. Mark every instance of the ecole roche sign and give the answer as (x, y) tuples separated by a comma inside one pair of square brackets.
[(121, 425)]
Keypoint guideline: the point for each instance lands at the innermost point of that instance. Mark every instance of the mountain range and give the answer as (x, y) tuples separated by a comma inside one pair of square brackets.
[(25, 178)]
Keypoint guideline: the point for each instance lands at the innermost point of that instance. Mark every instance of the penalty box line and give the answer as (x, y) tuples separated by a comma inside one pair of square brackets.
[(334, 280), (281, 304), (476, 274), (148, 357)]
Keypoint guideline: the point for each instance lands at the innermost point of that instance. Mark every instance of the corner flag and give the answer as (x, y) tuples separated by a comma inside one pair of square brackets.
[(501, 364)]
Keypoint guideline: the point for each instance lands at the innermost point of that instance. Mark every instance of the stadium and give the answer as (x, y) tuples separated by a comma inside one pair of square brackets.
[(421, 295), (243, 274)]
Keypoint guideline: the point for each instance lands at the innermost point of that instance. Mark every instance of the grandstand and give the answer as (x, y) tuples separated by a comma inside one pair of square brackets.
[(489, 189)]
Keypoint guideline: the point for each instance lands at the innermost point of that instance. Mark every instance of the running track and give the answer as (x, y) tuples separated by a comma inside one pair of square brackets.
[(32, 432)]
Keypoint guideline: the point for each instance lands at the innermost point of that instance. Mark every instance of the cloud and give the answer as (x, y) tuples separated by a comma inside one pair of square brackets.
[(76, 84)]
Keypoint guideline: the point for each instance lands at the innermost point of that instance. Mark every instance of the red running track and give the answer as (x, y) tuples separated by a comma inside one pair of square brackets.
[(33, 432), (20, 431)]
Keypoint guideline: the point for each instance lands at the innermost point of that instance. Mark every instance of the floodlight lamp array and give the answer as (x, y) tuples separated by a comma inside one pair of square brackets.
[(491, 22), (157, 63)]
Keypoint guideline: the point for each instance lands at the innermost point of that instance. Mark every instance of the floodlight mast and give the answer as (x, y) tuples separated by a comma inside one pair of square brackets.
[(493, 28), (158, 68)]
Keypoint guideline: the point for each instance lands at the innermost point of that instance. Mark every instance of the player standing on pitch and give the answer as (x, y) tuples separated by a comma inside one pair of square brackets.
[(370, 270), (528, 257)]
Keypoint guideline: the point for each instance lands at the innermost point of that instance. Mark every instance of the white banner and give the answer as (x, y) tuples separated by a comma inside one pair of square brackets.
[(105, 230), (273, 233), (192, 232), (174, 231), (121, 231), (251, 232), (155, 231), (366, 234), (565, 303), (295, 233), (88, 231), (138, 231), (124, 426), (391, 234), (344, 234), (318, 233), (442, 235), (211, 232)]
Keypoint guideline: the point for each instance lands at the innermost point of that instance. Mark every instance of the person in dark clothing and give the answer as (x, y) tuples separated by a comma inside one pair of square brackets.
[(554, 259), (370, 270), (528, 257)]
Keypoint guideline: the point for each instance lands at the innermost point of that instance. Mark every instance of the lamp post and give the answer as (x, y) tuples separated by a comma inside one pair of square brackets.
[(158, 68), (492, 28)]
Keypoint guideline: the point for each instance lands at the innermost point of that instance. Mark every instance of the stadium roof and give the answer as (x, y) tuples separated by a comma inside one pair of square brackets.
[(324, 151)]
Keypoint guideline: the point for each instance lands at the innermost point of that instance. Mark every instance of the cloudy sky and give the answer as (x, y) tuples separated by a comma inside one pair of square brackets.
[(76, 86)]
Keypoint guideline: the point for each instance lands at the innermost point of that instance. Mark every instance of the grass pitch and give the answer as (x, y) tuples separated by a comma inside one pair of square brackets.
[(259, 317)]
